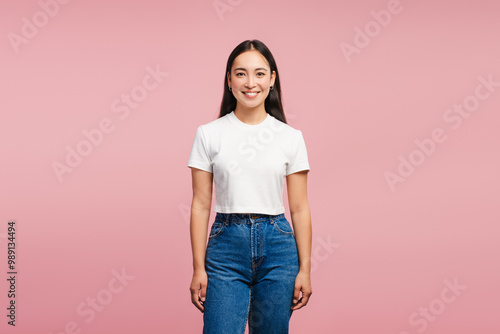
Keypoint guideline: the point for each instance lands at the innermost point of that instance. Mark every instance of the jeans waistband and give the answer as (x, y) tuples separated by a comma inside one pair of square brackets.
[(247, 217)]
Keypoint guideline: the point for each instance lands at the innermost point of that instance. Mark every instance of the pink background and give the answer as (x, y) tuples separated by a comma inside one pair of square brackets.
[(381, 256)]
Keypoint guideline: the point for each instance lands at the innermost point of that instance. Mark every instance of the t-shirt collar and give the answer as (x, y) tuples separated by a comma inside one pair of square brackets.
[(237, 121)]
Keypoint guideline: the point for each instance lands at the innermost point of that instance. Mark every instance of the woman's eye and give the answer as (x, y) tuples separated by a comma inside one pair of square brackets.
[(259, 74)]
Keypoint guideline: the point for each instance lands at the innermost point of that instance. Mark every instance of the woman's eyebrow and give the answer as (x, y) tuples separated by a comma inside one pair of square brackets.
[(257, 69)]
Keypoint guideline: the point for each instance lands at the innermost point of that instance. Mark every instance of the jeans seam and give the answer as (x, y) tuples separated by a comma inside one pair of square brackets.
[(222, 228), (255, 265), (281, 231), (261, 249)]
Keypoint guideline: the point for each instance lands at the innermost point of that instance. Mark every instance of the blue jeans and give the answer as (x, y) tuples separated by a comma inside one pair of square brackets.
[(251, 263)]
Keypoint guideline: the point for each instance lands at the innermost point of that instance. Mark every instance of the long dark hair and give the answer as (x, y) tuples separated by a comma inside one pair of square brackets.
[(272, 103)]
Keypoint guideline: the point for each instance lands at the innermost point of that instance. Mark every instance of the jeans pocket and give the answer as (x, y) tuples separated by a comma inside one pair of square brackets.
[(283, 226), (217, 228)]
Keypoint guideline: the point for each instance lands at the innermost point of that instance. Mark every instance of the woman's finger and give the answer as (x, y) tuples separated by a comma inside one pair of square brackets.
[(196, 300)]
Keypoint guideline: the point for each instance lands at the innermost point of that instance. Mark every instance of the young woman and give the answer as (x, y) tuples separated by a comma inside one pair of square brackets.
[(254, 267)]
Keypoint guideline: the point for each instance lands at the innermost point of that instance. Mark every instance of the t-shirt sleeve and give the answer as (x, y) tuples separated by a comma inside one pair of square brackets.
[(199, 157), (299, 161)]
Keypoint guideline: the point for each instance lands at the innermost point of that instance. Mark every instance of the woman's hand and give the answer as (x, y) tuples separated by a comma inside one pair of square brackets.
[(198, 289), (302, 283)]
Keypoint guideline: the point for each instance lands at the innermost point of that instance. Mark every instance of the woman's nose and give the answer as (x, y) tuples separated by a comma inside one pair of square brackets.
[(250, 81)]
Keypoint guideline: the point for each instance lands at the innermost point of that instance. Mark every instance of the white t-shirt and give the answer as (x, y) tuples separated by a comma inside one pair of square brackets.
[(249, 162)]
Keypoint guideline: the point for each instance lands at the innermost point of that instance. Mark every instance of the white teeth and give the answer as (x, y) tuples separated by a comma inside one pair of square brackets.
[(251, 94)]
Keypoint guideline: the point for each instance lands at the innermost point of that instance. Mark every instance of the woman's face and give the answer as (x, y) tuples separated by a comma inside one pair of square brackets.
[(250, 74)]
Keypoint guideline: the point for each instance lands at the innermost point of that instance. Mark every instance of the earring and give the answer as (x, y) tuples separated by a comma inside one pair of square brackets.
[(271, 88), (229, 88)]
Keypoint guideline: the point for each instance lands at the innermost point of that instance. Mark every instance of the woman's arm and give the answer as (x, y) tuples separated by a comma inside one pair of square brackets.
[(301, 220), (200, 214)]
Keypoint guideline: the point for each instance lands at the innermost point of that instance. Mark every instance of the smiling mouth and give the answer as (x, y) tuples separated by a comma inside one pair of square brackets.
[(251, 95)]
